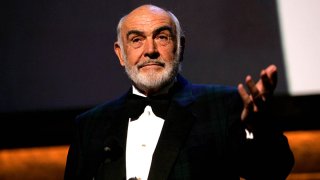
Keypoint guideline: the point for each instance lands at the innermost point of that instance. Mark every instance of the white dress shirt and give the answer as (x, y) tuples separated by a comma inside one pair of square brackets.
[(142, 139)]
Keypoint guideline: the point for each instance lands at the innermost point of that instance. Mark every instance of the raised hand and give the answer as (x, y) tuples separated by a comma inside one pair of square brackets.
[(259, 92)]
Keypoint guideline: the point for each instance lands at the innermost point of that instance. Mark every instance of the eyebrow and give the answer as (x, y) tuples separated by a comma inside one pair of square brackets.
[(156, 31), (163, 28), (134, 32)]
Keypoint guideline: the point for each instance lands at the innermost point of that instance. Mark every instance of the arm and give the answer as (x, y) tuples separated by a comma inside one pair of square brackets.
[(73, 158), (267, 155)]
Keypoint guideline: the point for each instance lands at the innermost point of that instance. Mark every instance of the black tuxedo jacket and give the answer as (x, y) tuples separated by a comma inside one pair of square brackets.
[(202, 138)]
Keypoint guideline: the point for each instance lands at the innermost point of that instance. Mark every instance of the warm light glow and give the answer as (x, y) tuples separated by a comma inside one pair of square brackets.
[(306, 149), (40, 163)]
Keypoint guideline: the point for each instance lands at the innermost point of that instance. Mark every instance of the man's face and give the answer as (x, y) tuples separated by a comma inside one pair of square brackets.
[(148, 48)]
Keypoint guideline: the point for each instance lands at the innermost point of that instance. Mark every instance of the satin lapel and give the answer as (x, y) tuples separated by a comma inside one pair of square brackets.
[(175, 131), (115, 140)]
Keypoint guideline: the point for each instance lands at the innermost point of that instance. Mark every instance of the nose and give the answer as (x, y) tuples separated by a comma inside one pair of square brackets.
[(151, 49)]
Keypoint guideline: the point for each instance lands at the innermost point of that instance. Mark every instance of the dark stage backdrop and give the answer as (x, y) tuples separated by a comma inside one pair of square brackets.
[(59, 54)]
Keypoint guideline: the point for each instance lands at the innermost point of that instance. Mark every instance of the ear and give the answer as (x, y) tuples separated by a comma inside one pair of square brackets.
[(182, 46), (117, 50)]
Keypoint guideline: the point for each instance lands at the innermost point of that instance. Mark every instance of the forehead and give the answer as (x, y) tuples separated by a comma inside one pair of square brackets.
[(147, 19)]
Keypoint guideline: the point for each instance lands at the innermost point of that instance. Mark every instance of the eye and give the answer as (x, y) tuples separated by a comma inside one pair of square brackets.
[(137, 41), (162, 39)]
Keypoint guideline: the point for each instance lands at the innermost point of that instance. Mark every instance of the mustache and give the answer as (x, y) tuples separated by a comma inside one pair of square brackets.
[(151, 61)]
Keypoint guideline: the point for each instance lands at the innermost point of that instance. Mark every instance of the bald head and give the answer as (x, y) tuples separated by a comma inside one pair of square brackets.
[(146, 10), (149, 46)]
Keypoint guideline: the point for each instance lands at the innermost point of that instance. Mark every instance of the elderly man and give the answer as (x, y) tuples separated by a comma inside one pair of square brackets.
[(167, 128)]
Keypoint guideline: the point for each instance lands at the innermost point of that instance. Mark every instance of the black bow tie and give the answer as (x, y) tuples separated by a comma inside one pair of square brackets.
[(136, 105)]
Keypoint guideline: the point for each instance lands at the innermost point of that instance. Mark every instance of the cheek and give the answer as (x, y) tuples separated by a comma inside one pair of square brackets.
[(134, 55), (168, 53)]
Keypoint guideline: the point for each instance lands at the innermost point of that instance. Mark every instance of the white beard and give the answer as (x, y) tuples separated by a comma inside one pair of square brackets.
[(153, 81)]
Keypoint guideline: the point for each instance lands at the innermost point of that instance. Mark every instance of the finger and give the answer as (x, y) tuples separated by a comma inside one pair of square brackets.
[(247, 102), (244, 95), (266, 83), (254, 91), (244, 114), (256, 95), (268, 78), (271, 69), (272, 74)]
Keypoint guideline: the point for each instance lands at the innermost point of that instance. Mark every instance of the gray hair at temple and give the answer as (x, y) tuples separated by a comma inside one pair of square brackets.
[(179, 34)]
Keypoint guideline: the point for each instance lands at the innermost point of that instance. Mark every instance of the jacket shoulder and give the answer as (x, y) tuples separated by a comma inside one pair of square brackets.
[(102, 109), (213, 89)]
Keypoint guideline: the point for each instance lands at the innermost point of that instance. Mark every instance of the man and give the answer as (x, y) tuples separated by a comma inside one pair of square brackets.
[(166, 128)]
